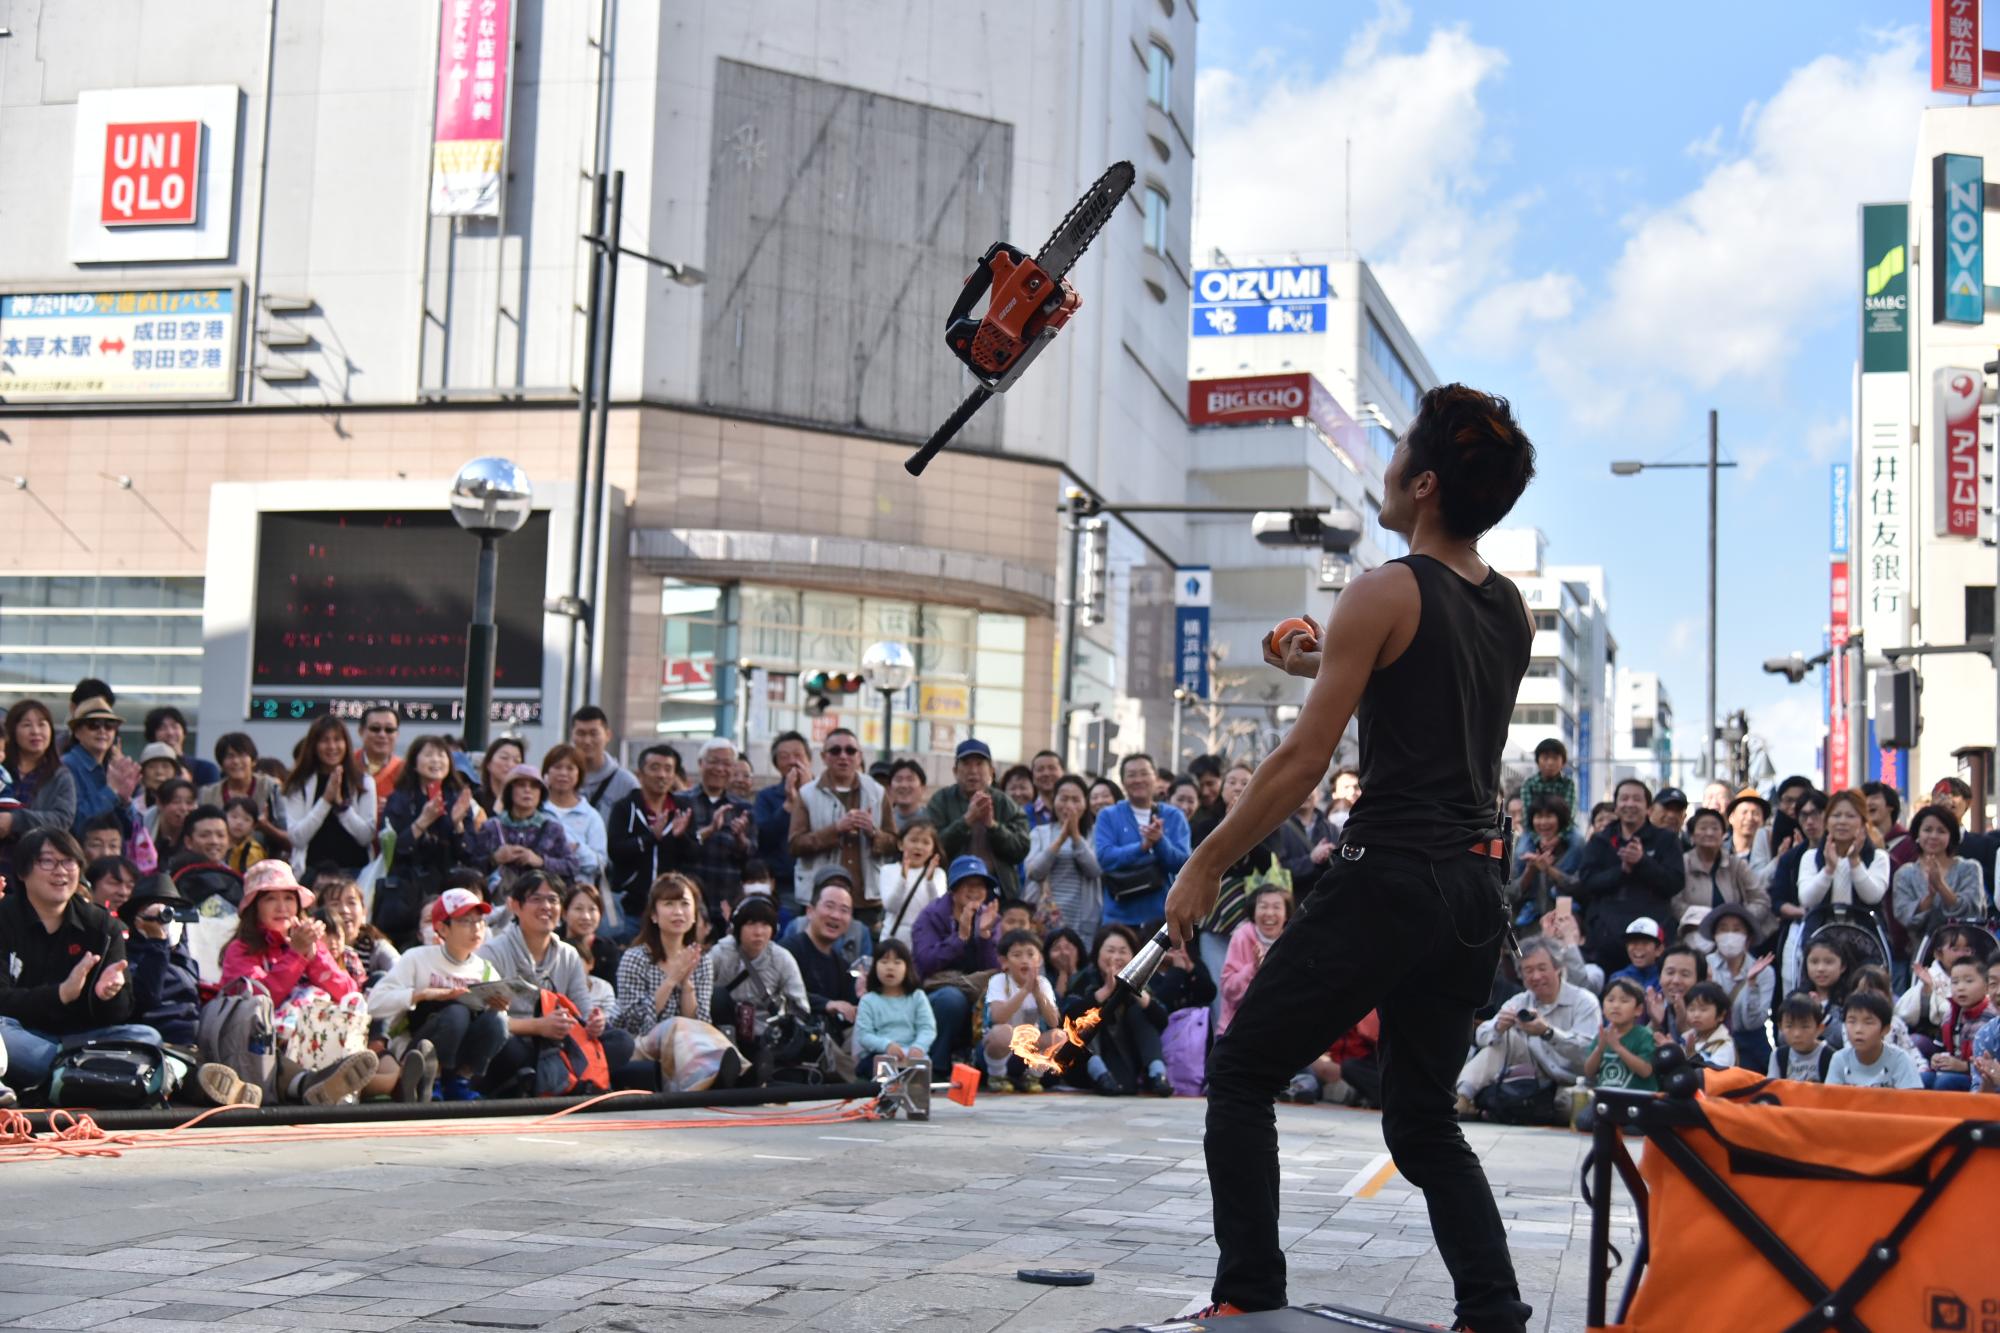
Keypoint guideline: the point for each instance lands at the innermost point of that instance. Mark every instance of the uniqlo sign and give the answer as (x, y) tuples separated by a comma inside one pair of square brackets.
[(150, 172), (1955, 49)]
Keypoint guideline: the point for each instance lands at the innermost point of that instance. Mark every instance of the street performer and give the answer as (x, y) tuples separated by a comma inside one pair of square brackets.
[(1427, 652)]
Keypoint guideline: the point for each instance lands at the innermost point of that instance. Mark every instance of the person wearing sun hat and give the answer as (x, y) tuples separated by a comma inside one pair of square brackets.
[(1750, 983), (422, 998), (522, 835), (105, 777), (280, 948)]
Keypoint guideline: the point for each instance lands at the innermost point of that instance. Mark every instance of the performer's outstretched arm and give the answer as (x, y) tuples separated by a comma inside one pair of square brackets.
[(1373, 621)]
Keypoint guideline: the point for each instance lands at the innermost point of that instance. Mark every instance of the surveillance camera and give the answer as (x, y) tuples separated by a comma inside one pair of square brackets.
[(1792, 668)]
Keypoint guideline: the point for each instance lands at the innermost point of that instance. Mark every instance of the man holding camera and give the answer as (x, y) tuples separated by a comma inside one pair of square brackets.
[(1536, 1042)]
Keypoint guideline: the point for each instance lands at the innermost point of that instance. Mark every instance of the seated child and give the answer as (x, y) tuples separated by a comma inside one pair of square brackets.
[(1951, 1067), (1707, 1038), (1875, 977), (1867, 1060), (1828, 983), (246, 849), (1802, 1054), (894, 1018), (1017, 996), (1016, 914), (1644, 943), (1623, 1054), (1986, 1046), (421, 998)]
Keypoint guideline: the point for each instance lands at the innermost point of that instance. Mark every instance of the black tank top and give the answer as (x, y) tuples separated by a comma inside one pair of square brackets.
[(1433, 722)]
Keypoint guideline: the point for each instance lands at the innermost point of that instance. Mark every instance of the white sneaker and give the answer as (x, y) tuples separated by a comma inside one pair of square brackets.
[(7, 1097)]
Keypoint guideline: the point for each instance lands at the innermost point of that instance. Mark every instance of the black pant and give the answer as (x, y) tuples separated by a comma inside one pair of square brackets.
[(462, 1038), (1417, 941)]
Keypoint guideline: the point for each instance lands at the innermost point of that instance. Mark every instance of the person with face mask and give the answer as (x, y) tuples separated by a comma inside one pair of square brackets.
[(1749, 982)]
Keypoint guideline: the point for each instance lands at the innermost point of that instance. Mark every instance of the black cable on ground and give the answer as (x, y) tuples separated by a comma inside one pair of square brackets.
[(364, 1112)]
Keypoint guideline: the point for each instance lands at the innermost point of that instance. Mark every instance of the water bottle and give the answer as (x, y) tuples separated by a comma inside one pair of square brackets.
[(1579, 1098)]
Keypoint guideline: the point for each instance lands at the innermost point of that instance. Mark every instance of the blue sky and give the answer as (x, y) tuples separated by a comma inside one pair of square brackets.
[(1619, 216)]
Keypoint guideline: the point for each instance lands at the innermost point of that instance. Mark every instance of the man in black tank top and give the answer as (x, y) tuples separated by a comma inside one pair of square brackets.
[(1426, 653)]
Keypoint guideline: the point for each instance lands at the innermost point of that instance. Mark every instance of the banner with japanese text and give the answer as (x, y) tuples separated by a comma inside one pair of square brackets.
[(118, 346), (469, 146)]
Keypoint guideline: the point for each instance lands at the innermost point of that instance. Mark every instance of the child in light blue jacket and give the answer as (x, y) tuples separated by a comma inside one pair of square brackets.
[(895, 1016)]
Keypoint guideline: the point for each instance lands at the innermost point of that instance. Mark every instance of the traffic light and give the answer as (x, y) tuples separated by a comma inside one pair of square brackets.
[(1093, 592), (1897, 722), (820, 687)]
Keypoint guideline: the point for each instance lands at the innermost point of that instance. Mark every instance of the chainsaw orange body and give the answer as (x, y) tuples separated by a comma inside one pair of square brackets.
[(1024, 310)]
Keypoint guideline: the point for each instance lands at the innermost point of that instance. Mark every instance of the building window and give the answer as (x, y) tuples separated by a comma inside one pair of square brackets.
[(1642, 735), (1529, 715), (1156, 220), (1545, 620), (141, 635), (1383, 441), (1390, 363), (1159, 76)]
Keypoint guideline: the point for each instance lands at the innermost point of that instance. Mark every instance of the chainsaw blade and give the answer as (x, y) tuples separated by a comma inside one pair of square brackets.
[(1075, 232)]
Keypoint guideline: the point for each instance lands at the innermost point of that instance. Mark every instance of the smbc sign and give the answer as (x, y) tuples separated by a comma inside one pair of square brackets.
[(1885, 288)]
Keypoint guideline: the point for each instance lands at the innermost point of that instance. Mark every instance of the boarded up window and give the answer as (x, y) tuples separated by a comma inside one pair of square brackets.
[(841, 224)]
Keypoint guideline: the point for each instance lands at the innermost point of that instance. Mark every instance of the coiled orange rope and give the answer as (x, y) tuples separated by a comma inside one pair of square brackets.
[(79, 1136)]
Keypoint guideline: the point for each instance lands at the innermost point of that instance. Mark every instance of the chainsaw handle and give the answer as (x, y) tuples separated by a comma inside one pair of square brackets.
[(980, 281)]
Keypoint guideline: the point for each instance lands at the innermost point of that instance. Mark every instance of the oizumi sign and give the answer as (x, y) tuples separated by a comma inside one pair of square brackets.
[(1885, 288)]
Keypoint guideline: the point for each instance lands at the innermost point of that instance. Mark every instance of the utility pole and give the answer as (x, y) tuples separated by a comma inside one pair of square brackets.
[(1708, 752), (584, 398)]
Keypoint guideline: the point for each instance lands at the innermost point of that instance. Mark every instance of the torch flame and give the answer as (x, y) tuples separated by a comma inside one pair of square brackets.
[(1026, 1041)]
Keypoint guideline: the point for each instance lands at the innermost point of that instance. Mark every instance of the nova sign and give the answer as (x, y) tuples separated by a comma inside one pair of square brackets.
[(1958, 239)]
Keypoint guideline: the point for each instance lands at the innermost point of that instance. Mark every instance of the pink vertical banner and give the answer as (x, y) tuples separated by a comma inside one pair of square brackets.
[(470, 143)]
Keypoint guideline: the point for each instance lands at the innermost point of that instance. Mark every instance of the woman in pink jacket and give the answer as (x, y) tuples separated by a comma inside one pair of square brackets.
[(1270, 909), (284, 951)]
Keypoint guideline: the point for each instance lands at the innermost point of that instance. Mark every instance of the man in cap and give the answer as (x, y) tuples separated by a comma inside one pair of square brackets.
[(105, 778), (959, 933), (1670, 810), (977, 819)]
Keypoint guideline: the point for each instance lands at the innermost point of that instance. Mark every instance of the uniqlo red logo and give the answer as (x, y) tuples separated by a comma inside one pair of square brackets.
[(150, 173)]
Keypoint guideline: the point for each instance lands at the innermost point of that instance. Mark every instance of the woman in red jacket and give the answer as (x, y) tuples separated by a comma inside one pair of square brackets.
[(283, 950)]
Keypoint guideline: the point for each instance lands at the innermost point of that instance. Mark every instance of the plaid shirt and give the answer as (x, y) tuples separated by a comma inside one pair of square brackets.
[(1562, 786)]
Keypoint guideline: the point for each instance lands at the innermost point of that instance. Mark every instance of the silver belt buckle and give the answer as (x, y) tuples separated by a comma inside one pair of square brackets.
[(1350, 852)]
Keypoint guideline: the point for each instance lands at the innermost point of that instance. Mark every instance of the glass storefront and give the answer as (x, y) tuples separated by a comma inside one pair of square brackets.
[(140, 634), (971, 668)]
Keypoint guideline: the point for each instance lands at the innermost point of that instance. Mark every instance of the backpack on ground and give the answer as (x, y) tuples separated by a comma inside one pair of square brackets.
[(576, 1064), (112, 1076), (238, 1028), (1184, 1050)]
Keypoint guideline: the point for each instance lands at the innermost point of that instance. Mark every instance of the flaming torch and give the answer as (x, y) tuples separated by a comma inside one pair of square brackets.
[(1066, 1046)]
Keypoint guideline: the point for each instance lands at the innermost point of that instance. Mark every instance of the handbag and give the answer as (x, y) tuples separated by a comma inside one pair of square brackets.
[(1184, 1050), (316, 1031), (111, 1075), (1518, 1101), (1135, 881)]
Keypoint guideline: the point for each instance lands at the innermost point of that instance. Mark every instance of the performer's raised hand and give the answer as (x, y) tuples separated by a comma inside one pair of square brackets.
[(1298, 652)]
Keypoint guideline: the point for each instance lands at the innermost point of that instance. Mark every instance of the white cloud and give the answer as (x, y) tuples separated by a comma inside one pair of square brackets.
[(1683, 635), (1498, 317), (1271, 161), (1827, 441), (1751, 462), (1718, 284), (1790, 726)]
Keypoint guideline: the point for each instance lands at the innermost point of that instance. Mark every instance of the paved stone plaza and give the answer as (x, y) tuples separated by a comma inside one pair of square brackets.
[(767, 1229)]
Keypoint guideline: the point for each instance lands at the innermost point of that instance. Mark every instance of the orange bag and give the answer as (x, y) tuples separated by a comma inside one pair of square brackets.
[(1768, 1204)]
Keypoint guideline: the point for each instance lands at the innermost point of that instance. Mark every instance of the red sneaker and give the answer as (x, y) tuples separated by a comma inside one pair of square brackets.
[(1219, 1310)]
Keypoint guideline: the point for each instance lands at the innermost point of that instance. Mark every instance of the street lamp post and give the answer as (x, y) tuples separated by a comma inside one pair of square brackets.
[(889, 667), (1628, 468), (490, 498)]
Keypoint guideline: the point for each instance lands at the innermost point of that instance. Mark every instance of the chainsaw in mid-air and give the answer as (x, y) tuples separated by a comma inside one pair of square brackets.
[(1029, 301)]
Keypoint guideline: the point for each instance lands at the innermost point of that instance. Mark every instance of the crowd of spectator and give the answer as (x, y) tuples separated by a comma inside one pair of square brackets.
[(1811, 936), (421, 922)]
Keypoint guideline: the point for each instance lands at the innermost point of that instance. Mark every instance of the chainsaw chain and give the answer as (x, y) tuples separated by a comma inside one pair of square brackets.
[(1085, 219)]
